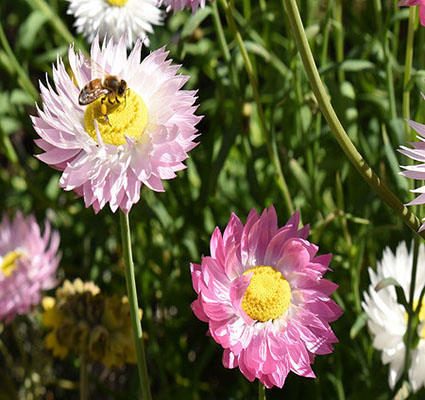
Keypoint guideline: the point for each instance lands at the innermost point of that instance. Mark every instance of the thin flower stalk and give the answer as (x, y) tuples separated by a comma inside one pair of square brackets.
[(271, 145), (134, 307), (84, 379), (339, 38), (23, 78), (337, 129), (410, 310), (377, 4), (408, 69), (261, 391)]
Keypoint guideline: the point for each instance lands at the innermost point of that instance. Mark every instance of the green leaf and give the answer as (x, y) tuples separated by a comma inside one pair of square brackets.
[(401, 297), (195, 20), (29, 29), (393, 162), (349, 66), (301, 176), (20, 97), (385, 283), (358, 325), (9, 125)]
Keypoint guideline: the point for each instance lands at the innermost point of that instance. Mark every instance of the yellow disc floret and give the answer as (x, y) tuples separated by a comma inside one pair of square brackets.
[(268, 294), (117, 3), (421, 316), (126, 117), (8, 263)]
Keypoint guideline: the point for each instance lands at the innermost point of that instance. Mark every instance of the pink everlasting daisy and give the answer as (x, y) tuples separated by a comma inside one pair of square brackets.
[(420, 3), (108, 142), (28, 263), (416, 171), (177, 5), (262, 293)]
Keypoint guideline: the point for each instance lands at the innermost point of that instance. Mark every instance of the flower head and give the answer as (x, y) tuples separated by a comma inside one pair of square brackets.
[(110, 147), (262, 293), (85, 321), (114, 18), (420, 3), (416, 171), (388, 319), (177, 5), (28, 264)]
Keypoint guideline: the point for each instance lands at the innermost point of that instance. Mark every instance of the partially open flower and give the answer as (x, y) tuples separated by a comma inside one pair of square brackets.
[(136, 125), (28, 264), (263, 295), (85, 321), (114, 18), (416, 172)]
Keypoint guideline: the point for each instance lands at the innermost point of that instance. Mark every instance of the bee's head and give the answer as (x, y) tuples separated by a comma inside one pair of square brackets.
[(122, 88)]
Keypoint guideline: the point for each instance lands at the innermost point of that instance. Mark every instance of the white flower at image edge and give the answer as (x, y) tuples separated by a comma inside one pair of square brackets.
[(114, 18), (388, 319)]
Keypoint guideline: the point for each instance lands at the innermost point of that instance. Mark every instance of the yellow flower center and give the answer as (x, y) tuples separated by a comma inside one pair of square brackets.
[(268, 294), (117, 3), (8, 263), (421, 316), (128, 117)]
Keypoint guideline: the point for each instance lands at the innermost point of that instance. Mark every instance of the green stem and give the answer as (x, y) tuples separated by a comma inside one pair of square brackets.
[(339, 38), (224, 47), (271, 145), (408, 69), (23, 78), (389, 75), (84, 378), (410, 311), (7, 146), (134, 306), (341, 136), (261, 391), (388, 67), (220, 33)]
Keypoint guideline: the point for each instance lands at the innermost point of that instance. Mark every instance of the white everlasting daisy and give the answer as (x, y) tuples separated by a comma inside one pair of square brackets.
[(114, 18), (388, 319)]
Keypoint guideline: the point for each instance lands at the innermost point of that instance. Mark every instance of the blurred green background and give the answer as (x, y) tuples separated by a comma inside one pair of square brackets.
[(359, 47)]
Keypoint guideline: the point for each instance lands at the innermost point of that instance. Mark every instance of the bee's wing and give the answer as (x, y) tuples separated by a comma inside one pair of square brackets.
[(88, 96), (97, 71)]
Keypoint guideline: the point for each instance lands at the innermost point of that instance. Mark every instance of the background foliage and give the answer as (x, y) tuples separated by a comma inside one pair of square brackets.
[(359, 47)]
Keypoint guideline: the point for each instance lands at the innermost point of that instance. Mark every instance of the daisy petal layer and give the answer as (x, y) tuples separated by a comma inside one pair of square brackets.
[(177, 5), (34, 270), (104, 173), (266, 350), (99, 17), (416, 172), (387, 318)]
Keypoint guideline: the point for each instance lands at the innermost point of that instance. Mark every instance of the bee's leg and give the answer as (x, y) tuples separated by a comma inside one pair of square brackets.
[(125, 97), (104, 110)]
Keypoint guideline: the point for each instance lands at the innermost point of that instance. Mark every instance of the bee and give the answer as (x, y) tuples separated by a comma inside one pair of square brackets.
[(109, 87)]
